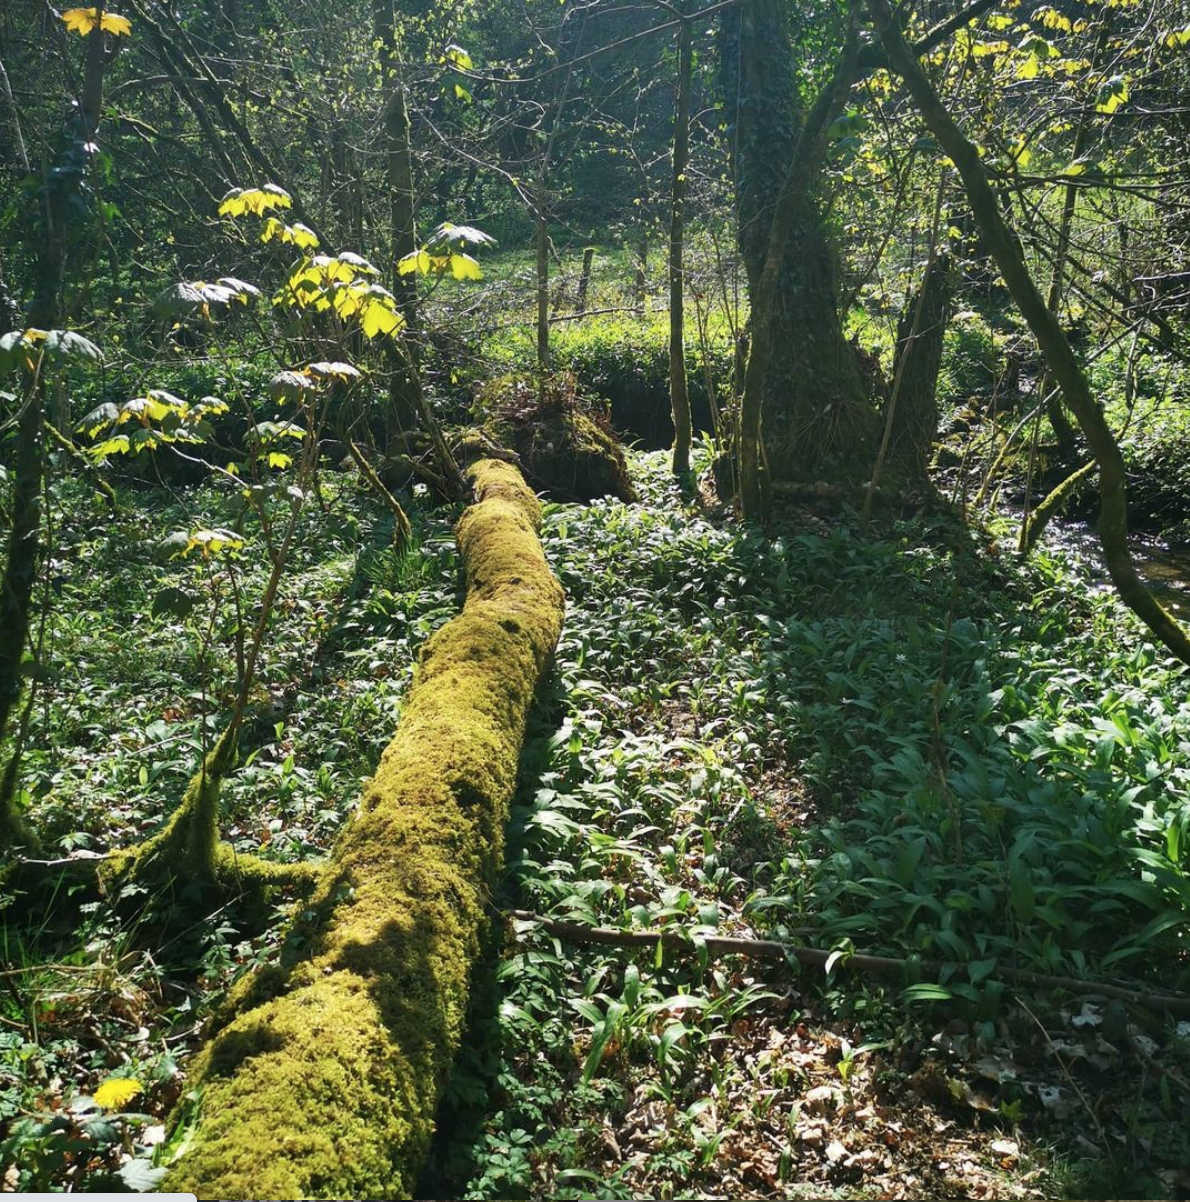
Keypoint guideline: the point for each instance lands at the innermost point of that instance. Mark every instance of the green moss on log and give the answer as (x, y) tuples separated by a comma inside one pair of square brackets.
[(188, 845), (327, 1086)]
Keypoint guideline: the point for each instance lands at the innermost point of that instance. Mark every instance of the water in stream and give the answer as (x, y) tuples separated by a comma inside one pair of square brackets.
[(1166, 572)]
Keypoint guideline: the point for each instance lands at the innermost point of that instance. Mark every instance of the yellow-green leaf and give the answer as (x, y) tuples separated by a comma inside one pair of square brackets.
[(213, 542), (254, 200), (464, 267), (416, 261), (378, 318), (458, 57), (1112, 94), (86, 20)]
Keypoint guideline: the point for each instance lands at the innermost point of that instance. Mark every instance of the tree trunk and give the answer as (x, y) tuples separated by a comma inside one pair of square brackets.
[(542, 244), (818, 418), (679, 396), (584, 281), (402, 209), (1051, 338), (59, 193), (917, 363), (326, 1083)]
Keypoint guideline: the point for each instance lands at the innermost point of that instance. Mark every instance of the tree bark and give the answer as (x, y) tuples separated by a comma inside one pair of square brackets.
[(1059, 356), (542, 245), (679, 395), (60, 190), (920, 333), (818, 418), (402, 213)]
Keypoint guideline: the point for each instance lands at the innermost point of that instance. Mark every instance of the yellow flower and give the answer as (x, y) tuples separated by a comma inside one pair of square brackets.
[(116, 1092)]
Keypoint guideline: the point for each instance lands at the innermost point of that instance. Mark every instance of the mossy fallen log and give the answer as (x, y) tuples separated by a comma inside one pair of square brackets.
[(325, 1083)]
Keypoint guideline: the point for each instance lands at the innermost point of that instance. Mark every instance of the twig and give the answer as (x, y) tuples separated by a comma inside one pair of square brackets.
[(597, 313), (404, 532), (816, 957)]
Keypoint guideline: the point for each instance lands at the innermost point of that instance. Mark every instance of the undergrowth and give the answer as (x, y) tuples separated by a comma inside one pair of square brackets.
[(901, 745)]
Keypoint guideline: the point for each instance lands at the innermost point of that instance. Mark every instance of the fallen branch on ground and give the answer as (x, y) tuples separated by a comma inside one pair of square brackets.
[(325, 1080), (816, 957)]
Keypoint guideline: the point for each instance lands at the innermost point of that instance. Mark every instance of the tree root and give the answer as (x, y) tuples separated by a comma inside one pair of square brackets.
[(816, 957), (326, 1082)]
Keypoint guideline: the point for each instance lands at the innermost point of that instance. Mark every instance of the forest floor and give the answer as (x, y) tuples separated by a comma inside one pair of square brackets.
[(893, 741)]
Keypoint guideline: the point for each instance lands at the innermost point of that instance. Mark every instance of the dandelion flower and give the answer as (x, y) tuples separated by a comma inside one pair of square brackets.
[(116, 1092)]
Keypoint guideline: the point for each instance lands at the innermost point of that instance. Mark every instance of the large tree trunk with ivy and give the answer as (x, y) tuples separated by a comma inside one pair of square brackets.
[(819, 421), (327, 1082)]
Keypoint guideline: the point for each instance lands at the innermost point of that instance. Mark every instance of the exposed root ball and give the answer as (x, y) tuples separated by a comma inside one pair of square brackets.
[(564, 441)]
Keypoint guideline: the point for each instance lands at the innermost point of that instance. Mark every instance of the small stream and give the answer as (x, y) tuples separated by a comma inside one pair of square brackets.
[(1165, 571)]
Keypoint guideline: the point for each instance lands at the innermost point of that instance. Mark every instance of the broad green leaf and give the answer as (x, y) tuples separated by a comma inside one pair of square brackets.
[(926, 992), (290, 386), (325, 370), (1020, 883), (174, 602)]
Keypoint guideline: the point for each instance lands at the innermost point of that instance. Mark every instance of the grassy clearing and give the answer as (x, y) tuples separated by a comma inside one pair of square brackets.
[(899, 745)]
